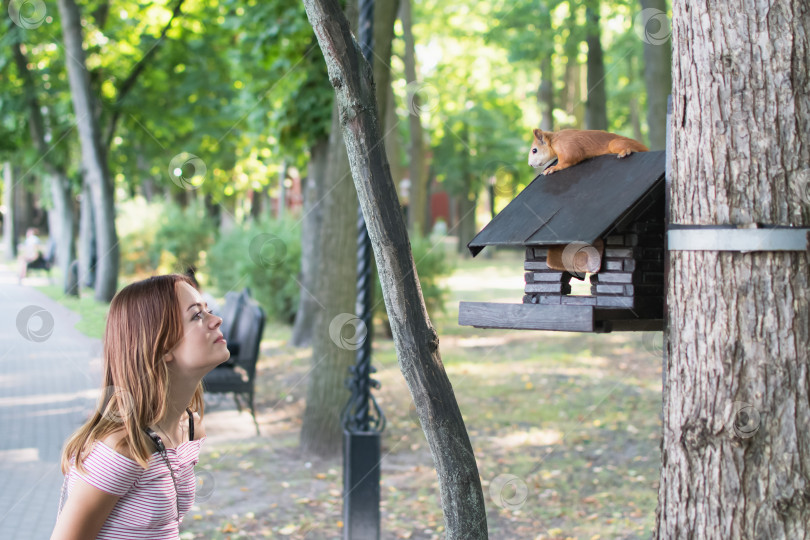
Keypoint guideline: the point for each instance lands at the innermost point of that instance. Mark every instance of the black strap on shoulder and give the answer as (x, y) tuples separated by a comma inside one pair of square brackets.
[(156, 439), (190, 425)]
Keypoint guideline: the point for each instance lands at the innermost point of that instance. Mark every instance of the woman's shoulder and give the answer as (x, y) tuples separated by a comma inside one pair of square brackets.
[(116, 440)]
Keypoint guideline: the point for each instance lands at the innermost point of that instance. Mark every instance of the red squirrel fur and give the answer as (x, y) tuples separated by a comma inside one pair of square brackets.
[(570, 146)]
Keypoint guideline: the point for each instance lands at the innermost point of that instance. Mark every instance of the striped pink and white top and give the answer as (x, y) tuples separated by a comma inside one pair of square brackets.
[(147, 508)]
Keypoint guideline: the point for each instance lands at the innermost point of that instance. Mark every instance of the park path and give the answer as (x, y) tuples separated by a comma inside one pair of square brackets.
[(49, 379)]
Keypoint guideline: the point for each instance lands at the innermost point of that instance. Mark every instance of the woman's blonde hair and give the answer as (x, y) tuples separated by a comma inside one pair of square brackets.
[(143, 324)]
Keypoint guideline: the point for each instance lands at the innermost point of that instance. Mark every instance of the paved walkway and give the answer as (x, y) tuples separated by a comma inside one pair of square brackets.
[(49, 380)]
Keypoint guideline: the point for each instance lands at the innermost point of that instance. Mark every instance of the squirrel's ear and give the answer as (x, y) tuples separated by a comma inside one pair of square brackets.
[(538, 134)]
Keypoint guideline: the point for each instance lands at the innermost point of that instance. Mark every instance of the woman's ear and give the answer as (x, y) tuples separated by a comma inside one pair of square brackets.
[(168, 357)]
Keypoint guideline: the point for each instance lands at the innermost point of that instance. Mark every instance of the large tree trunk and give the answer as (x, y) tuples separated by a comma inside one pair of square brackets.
[(94, 158), (736, 449), (9, 225), (416, 342), (334, 291), (313, 188), (418, 219), (335, 268), (657, 67), (596, 105), (322, 431)]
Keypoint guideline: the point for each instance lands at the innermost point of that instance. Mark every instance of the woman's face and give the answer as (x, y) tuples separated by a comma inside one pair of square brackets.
[(202, 347)]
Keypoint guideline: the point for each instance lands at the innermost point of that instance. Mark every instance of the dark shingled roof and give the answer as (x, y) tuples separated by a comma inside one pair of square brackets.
[(580, 203)]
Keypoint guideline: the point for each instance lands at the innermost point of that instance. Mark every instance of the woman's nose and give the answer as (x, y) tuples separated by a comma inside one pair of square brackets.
[(217, 321)]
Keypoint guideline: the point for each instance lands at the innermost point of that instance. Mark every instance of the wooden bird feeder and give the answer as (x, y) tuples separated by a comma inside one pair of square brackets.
[(603, 217)]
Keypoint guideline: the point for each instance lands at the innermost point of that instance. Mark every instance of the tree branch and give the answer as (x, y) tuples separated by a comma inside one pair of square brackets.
[(129, 82)]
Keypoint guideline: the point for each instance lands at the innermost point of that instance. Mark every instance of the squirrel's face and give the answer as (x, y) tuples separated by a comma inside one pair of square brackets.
[(541, 152)]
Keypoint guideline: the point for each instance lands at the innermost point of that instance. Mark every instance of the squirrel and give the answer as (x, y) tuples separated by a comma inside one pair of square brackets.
[(570, 146)]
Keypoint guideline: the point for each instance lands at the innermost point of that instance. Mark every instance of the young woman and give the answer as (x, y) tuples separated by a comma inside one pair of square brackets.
[(130, 468)]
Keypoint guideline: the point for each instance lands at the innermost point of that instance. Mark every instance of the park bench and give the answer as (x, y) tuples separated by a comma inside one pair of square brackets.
[(242, 325)]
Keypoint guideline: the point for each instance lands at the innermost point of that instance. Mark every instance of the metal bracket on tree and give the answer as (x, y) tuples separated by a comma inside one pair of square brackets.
[(743, 239)]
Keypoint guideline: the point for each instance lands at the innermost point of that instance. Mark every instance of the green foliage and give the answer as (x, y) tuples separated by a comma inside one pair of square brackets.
[(432, 265), (185, 233), (264, 256), (137, 223), (162, 236)]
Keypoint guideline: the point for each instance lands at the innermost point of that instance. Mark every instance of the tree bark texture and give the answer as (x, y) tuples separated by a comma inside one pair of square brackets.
[(94, 157), (736, 448), (657, 69), (313, 188), (416, 341), (596, 104)]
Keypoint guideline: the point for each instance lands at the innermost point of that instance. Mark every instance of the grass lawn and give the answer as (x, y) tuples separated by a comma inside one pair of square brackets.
[(565, 428)]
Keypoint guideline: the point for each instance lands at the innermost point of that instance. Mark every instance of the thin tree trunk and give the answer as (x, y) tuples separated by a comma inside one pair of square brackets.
[(416, 341), (94, 158), (62, 233), (87, 239), (596, 105), (417, 207), (657, 68), (736, 449), (574, 105), (313, 188), (545, 94), (9, 224), (466, 199)]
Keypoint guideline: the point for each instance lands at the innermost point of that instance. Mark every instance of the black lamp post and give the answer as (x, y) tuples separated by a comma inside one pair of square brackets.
[(363, 421)]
